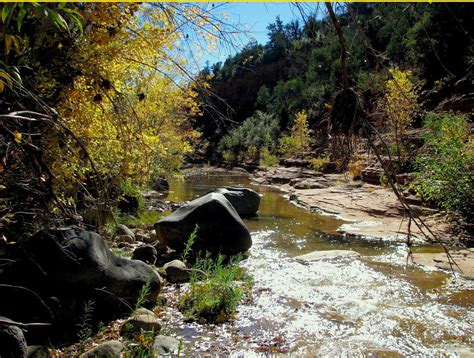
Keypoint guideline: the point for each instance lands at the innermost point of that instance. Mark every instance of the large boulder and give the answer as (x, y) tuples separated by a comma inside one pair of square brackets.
[(68, 267), (221, 230), (245, 201)]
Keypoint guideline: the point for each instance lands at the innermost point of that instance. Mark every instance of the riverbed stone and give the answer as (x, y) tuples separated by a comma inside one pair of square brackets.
[(37, 352), (145, 253), (12, 341), (149, 237), (125, 238), (143, 311), (464, 261), (221, 230), (160, 247), (153, 235), (110, 349), (327, 255), (372, 175), (165, 346), (124, 230), (176, 271), (136, 324), (244, 200), (142, 236), (310, 184)]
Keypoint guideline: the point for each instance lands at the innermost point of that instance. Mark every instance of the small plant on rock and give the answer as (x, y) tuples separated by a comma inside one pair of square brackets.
[(85, 324), (144, 292), (355, 167), (189, 244), (319, 162)]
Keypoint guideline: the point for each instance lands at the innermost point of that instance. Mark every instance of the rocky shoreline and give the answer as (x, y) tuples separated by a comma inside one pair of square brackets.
[(373, 212)]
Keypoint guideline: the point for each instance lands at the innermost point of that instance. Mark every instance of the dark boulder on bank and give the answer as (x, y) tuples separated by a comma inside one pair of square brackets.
[(245, 201), (67, 268), (221, 230), (12, 340), (145, 253), (128, 204), (160, 185)]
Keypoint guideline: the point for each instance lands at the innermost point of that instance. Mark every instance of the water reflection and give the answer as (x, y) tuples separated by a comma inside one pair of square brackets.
[(372, 305)]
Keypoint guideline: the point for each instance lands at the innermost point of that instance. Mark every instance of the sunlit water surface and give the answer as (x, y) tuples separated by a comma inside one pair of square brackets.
[(374, 305)]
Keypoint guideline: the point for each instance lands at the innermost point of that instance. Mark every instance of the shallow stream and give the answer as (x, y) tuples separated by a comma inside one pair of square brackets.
[(373, 305)]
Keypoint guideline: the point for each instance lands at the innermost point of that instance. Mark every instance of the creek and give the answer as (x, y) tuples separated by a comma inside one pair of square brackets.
[(372, 305)]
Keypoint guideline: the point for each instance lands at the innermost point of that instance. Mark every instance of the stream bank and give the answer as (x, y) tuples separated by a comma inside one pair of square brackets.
[(373, 212), (366, 303), (370, 303)]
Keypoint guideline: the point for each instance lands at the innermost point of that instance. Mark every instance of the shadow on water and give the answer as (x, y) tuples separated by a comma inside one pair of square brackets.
[(375, 305)]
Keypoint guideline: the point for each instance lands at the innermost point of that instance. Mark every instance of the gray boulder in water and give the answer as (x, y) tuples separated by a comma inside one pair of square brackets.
[(245, 201), (221, 230)]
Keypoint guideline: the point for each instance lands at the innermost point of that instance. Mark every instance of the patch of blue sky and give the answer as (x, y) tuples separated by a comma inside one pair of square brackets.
[(251, 18)]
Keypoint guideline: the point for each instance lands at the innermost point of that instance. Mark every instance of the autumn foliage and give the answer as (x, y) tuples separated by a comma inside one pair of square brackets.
[(112, 93)]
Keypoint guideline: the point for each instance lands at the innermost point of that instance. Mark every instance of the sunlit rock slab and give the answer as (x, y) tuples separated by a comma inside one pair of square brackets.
[(327, 255)]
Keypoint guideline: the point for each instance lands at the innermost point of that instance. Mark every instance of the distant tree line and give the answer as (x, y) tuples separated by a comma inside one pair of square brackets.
[(299, 68)]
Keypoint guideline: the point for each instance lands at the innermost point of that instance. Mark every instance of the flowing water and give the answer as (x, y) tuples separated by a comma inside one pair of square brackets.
[(371, 306)]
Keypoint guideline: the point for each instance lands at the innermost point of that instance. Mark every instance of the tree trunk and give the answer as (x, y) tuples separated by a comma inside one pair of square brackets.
[(342, 42)]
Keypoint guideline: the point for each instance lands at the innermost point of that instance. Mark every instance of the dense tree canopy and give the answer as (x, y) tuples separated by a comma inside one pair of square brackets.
[(114, 99), (300, 68), (113, 90)]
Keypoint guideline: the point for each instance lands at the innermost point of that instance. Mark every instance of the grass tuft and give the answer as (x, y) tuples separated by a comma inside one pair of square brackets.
[(216, 288)]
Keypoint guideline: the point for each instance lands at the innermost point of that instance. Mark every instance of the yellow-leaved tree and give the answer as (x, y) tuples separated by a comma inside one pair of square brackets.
[(299, 140), (400, 103), (300, 131), (95, 94), (133, 96)]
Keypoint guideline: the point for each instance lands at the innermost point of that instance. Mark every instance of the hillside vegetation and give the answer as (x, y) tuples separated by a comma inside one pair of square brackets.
[(403, 61)]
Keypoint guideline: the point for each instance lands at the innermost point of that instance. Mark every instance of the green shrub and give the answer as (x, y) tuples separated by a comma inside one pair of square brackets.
[(143, 217), (319, 162), (444, 165), (251, 154), (144, 292), (267, 159), (244, 142), (288, 146), (214, 294), (127, 187), (384, 180), (228, 155)]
